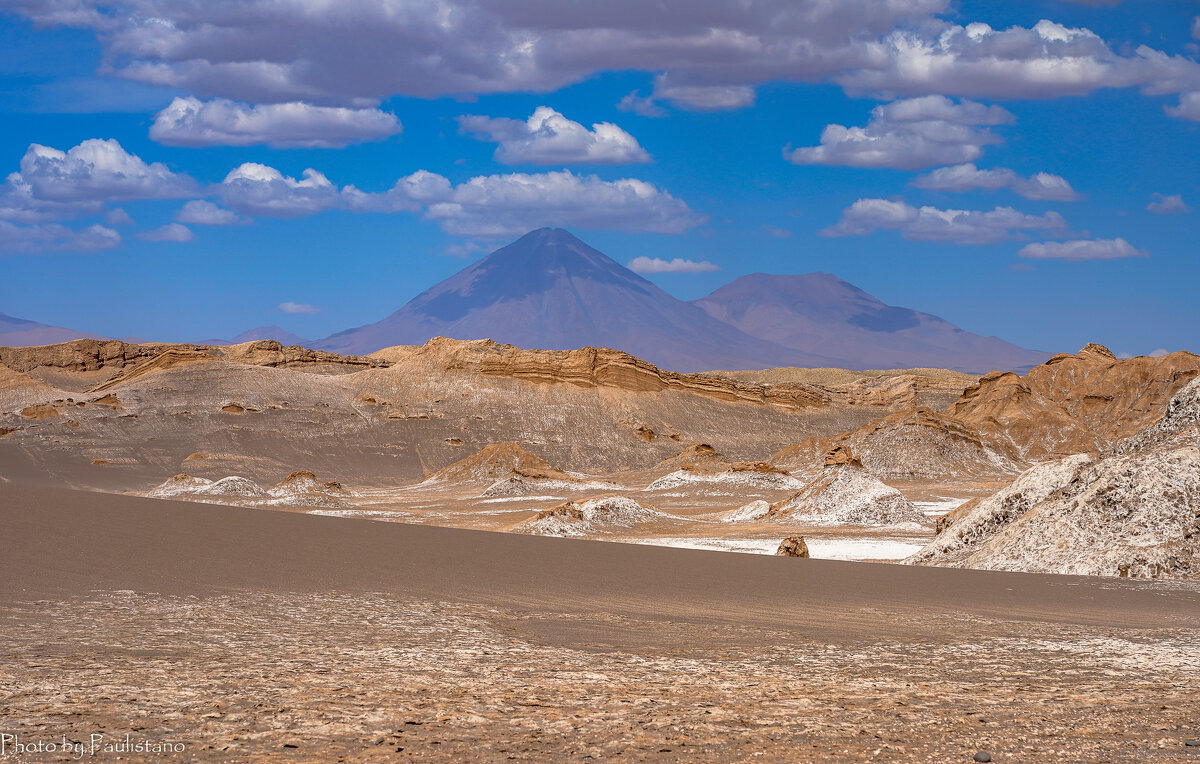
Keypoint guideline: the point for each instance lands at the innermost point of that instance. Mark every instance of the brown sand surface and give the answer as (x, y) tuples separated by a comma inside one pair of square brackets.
[(247, 634)]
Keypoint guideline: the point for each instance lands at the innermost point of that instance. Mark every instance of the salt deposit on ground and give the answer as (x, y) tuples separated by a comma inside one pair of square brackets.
[(750, 478), (596, 514)]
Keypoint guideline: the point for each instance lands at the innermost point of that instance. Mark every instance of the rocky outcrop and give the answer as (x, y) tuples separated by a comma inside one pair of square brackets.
[(1074, 403), (839, 455), (598, 514), (601, 367), (792, 546), (846, 494), (101, 364), (496, 462), (911, 444), (303, 489), (703, 464), (1131, 511), (299, 489)]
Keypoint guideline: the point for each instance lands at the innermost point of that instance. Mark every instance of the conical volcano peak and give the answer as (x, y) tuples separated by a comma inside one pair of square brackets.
[(555, 250)]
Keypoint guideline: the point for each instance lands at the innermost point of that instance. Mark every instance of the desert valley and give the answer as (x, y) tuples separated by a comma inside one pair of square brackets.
[(540, 381), (1083, 464)]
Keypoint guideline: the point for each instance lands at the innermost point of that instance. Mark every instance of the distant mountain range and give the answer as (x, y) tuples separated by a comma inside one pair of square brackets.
[(16, 332), (550, 290)]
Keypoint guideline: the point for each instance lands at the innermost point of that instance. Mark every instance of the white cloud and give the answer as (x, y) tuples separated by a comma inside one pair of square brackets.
[(675, 265), (1167, 205), (696, 97), (255, 189), (932, 224), (201, 212), (1082, 249), (222, 122), (1196, 28), (504, 205), (548, 137), (169, 232), (297, 308), (909, 134), (118, 216), (1041, 186), (484, 206), (635, 103), (96, 171), (51, 236), (1188, 107), (359, 53), (1045, 61)]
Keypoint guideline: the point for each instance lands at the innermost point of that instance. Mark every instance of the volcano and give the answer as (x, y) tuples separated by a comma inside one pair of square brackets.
[(552, 291)]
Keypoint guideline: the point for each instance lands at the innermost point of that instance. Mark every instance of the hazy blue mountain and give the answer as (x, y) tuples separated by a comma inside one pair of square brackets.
[(19, 332), (550, 290), (821, 314)]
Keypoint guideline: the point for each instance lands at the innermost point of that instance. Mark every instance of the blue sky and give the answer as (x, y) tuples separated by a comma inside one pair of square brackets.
[(1037, 178)]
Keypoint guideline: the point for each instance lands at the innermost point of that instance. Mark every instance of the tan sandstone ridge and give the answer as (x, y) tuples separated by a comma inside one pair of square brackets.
[(1131, 511), (81, 365), (1005, 422), (1074, 403)]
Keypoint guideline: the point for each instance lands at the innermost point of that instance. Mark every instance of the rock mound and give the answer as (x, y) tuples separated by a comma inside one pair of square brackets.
[(494, 462), (598, 514), (1133, 511), (846, 494), (702, 464), (303, 489), (792, 546)]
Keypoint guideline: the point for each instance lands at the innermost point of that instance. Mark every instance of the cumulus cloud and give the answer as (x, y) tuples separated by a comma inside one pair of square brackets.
[(1045, 61), (505, 205), (908, 134), (169, 232), (1081, 249), (484, 206), (1040, 186), (297, 308), (1187, 108), (56, 185), (255, 189), (273, 51), (54, 237), (932, 224), (1167, 205), (548, 137), (222, 122), (201, 212), (675, 265), (358, 53), (96, 171), (643, 106)]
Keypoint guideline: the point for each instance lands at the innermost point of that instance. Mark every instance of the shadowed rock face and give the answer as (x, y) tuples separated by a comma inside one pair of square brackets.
[(550, 290), (819, 313)]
